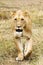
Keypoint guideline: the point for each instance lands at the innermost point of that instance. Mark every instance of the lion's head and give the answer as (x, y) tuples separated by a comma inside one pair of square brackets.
[(21, 22)]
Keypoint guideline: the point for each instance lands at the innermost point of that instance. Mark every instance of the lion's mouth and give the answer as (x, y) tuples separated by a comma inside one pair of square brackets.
[(19, 30)]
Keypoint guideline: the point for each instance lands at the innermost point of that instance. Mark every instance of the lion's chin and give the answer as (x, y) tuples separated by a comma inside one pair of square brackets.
[(19, 34)]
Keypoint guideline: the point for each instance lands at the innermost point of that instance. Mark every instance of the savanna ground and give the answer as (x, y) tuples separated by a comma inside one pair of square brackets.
[(7, 46)]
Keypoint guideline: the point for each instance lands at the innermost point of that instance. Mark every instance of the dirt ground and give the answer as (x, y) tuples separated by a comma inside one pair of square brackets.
[(7, 46)]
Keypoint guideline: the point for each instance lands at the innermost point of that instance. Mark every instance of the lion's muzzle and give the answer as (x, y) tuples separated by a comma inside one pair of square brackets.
[(19, 30)]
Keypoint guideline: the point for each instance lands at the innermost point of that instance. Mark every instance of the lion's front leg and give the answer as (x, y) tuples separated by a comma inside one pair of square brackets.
[(28, 47), (19, 47)]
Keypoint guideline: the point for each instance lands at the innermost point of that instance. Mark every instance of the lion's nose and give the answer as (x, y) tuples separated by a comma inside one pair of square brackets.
[(19, 26)]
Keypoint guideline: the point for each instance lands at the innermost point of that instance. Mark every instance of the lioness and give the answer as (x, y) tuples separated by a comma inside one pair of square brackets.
[(22, 30)]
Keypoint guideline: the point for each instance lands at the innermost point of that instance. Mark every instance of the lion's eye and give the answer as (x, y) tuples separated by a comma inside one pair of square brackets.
[(22, 19), (15, 19)]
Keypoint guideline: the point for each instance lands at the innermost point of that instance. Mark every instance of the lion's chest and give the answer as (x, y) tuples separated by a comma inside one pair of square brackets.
[(20, 37), (23, 40)]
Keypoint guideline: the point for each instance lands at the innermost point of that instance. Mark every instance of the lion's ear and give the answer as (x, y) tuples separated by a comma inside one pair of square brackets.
[(12, 13), (27, 14)]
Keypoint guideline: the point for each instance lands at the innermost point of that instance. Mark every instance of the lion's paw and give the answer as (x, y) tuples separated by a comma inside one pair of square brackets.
[(19, 59)]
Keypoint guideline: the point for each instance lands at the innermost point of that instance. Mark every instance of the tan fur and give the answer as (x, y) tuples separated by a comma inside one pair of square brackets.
[(22, 18)]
